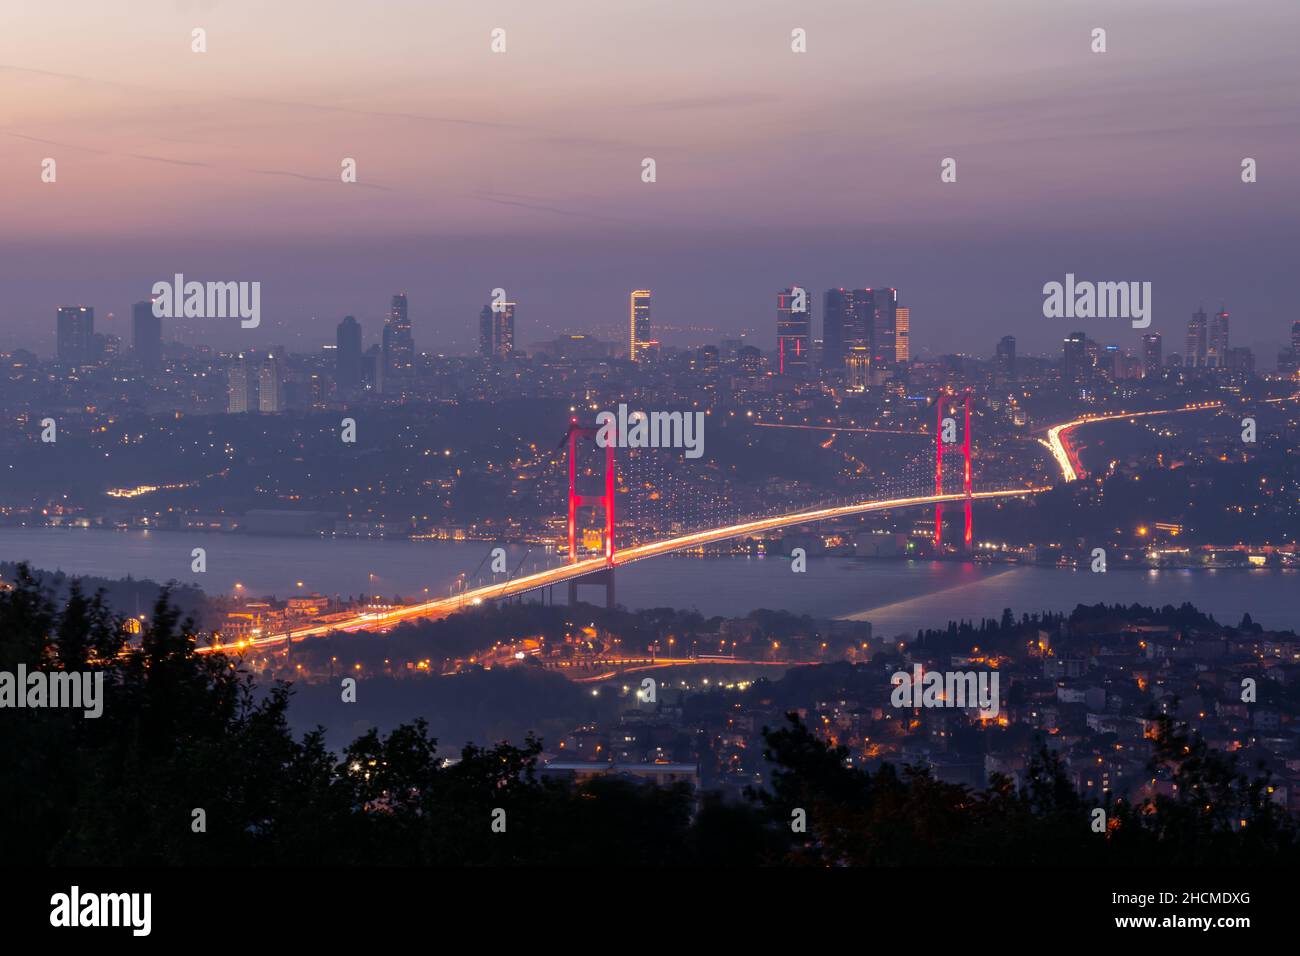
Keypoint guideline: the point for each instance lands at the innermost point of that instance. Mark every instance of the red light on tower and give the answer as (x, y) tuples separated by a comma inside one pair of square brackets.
[(604, 501), (964, 450)]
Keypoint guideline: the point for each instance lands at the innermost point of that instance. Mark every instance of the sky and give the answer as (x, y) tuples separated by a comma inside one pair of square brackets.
[(522, 170)]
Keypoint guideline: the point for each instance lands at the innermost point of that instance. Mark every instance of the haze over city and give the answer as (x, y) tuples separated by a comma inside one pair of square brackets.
[(821, 169)]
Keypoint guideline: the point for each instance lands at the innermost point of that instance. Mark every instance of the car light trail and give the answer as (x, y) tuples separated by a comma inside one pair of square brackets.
[(1058, 436)]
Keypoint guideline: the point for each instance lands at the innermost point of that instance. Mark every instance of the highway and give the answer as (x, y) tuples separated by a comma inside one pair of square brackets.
[(1058, 436), (558, 575)]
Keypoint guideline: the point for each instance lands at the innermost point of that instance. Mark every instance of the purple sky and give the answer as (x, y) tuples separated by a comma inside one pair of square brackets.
[(522, 169)]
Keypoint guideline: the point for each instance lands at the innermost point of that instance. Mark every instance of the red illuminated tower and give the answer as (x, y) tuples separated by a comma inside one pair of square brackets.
[(603, 501), (948, 401), (576, 501)]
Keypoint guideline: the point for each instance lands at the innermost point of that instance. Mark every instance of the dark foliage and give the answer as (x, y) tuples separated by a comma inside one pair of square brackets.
[(183, 730)]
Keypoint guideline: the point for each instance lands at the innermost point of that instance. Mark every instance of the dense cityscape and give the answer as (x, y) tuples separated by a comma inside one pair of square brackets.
[(462, 442), (462, 448)]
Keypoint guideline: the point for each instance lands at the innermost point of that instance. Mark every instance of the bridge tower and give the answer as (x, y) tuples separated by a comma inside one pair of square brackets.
[(605, 502), (948, 403)]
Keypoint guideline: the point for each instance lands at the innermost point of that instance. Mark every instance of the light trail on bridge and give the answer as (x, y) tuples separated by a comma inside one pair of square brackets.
[(443, 607)]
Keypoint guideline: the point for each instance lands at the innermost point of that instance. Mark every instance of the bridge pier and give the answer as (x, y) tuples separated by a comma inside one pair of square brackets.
[(602, 578)]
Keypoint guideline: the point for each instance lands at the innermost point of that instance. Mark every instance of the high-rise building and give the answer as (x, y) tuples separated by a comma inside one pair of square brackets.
[(1217, 349), (638, 325), (1194, 354), (793, 331), (1076, 365), (837, 327), (496, 330), (75, 335), (1288, 360), (241, 381), (1152, 359), (1005, 359), (347, 357), (903, 333), (884, 303), (1110, 362), (270, 392), (399, 345), (847, 322), (1239, 359), (146, 335)]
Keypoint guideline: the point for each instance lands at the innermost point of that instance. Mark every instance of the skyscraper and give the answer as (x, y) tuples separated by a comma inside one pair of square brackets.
[(1152, 358), (638, 324), (241, 381), (1110, 363), (1288, 360), (146, 335), (884, 309), (793, 331), (1195, 353), (399, 345), (270, 392), (75, 335), (1217, 350), (1005, 359), (1076, 365), (859, 319), (837, 330), (496, 330), (846, 323), (902, 334), (347, 358)]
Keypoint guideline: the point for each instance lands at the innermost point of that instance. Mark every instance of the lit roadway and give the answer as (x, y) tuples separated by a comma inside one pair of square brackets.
[(376, 620), (1058, 436), (1057, 442)]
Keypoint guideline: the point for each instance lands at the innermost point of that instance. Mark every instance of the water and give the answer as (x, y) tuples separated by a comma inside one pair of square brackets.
[(896, 596)]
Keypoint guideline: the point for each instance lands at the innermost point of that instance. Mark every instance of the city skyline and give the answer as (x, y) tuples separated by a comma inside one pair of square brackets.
[(848, 319)]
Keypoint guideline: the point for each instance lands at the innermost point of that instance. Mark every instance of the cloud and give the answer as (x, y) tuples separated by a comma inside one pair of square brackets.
[(53, 142), (507, 199), (723, 101), (318, 179)]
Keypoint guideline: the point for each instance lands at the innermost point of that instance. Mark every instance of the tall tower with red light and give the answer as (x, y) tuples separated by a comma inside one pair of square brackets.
[(603, 501), (946, 407), (793, 331)]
